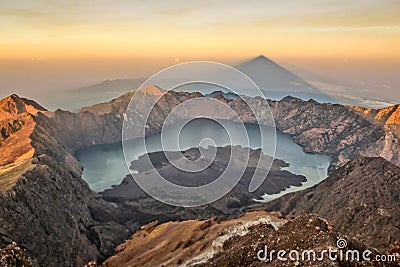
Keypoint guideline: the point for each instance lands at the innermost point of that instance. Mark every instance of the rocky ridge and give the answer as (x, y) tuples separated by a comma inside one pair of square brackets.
[(235, 242), (47, 198), (50, 211), (43, 197), (179, 243), (330, 129), (388, 117), (362, 199), (47, 193), (16, 125)]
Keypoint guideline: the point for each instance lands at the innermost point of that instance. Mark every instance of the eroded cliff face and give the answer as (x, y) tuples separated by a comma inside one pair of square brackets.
[(362, 199), (387, 116), (49, 210), (102, 123), (45, 205), (330, 129), (13, 105), (389, 119), (16, 125)]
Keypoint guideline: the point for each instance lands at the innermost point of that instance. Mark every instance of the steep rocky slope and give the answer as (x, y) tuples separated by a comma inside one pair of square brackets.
[(388, 117), (361, 199), (14, 105), (15, 116), (320, 128), (15, 149), (102, 123), (49, 210), (97, 124), (329, 129), (176, 243), (235, 242), (45, 205)]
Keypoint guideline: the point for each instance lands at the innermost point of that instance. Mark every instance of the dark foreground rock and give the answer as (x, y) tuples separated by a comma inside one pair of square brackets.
[(14, 256)]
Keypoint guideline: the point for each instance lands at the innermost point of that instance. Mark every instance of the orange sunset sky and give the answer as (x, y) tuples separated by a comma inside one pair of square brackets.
[(68, 43), (73, 29)]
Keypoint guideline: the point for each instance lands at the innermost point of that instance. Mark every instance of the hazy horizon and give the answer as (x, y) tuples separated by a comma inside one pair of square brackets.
[(40, 79), (51, 46)]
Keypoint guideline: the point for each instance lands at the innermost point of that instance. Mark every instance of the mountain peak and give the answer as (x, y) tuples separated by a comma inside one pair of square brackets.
[(12, 97), (153, 90), (272, 77), (13, 105), (261, 58)]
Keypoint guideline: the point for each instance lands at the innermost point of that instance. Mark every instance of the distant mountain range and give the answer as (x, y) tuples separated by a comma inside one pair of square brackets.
[(74, 100), (274, 81), (112, 86)]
